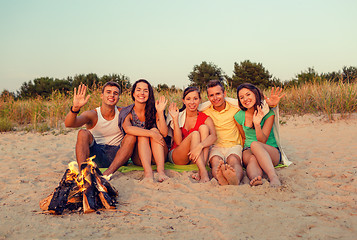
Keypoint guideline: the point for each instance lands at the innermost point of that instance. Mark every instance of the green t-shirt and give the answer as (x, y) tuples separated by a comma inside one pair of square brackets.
[(250, 132)]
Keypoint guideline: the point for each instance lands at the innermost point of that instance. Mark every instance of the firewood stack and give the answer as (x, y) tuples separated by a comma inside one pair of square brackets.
[(87, 191)]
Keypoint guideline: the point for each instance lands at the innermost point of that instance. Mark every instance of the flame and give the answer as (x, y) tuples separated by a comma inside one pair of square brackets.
[(84, 187), (72, 171), (84, 176), (73, 166)]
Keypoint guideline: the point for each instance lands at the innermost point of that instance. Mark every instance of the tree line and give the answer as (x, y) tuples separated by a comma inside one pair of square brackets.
[(245, 71)]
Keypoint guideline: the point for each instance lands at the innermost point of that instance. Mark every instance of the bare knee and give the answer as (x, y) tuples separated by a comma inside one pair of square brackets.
[(195, 135), (255, 144), (203, 130), (84, 136), (214, 161), (129, 140), (143, 139), (233, 159)]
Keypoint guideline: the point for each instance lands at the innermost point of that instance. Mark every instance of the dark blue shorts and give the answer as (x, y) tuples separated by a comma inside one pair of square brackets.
[(105, 154), (246, 148)]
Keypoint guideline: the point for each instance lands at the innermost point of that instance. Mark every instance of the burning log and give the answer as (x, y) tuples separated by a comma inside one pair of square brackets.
[(60, 196), (88, 191)]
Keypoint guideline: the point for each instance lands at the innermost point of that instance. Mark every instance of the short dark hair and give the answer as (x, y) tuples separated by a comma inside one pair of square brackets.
[(255, 90), (215, 82), (113, 84)]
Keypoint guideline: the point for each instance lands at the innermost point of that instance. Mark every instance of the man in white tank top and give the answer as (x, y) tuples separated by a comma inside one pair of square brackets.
[(102, 136)]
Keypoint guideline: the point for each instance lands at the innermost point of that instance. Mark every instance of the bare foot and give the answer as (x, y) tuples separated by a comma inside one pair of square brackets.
[(196, 176), (256, 181), (148, 177), (204, 179), (162, 177), (275, 182), (147, 180), (220, 177), (230, 174)]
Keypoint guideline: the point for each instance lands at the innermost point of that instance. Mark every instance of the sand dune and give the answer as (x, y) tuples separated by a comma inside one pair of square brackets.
[(318, 199)]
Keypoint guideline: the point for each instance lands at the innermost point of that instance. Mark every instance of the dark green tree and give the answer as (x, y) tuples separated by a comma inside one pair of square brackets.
[(61, 85), (162, 87), (6, 95), (39, 87), (173, 88), (349, 74), (308, 76), (250, 72), (43, 87), (203, 73), (122, 80), (90, 80), (27, 90)]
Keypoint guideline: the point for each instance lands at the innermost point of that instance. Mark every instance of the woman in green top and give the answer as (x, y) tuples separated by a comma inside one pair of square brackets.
[(260, 152)]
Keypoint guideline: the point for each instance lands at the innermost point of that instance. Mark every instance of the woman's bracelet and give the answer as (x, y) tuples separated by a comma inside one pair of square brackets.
[(74, 111)]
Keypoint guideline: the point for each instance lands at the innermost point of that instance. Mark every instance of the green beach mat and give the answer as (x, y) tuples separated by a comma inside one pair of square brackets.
[(168, 165)]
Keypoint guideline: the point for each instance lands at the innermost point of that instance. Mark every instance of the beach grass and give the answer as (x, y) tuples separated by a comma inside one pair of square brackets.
[(41, 115), (327, 98)]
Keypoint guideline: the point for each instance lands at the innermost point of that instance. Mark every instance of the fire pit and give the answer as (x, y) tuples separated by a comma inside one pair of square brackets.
[(88, 191)]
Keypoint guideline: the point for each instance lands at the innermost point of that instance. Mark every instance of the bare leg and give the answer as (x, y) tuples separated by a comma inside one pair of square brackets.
[(180, 153), (254, 172), (267, 156), (84, 140), (159, 152), (143, 156), (123, 154), (203, 174), (204, 133)]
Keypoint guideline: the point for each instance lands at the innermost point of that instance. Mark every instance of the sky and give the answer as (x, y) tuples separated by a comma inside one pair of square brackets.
[(162, 40)]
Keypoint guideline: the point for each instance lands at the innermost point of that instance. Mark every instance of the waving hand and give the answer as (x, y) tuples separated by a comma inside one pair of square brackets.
[(274, 97), (79, 97)]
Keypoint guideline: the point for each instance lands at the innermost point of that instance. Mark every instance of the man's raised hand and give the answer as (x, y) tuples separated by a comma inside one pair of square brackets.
[(79, 97)]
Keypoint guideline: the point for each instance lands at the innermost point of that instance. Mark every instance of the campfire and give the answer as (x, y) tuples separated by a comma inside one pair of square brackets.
[(87, 191)]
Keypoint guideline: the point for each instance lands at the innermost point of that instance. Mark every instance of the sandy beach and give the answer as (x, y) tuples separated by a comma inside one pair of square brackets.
[(318, 199)]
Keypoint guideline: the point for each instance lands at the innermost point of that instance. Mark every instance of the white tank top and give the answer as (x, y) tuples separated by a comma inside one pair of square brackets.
[(107, 132)]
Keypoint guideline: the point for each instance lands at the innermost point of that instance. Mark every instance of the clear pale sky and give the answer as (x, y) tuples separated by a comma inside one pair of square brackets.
[(162, 40)]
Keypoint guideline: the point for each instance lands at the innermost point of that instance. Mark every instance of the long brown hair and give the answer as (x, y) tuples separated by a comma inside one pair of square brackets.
[(150, 110), (255, 90)]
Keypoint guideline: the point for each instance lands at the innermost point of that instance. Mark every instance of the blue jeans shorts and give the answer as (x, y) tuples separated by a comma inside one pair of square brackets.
[(246, 148), (105, 154)]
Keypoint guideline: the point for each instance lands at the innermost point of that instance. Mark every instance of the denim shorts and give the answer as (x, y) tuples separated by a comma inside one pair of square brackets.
[(105, 154), (246, 148)]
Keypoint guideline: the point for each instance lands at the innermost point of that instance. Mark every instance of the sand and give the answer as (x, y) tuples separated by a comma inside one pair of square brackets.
[(317, 200)]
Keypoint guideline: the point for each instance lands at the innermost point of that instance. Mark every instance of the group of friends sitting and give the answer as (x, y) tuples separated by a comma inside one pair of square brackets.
[(223, 133)]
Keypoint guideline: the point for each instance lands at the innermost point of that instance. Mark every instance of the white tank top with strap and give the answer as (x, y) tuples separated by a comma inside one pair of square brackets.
[(107, 132)]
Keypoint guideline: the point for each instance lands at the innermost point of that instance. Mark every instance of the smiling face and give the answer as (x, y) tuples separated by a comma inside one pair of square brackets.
[(216, 96), (110, 95), (247, 98), (141, 92), (191, 101)]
